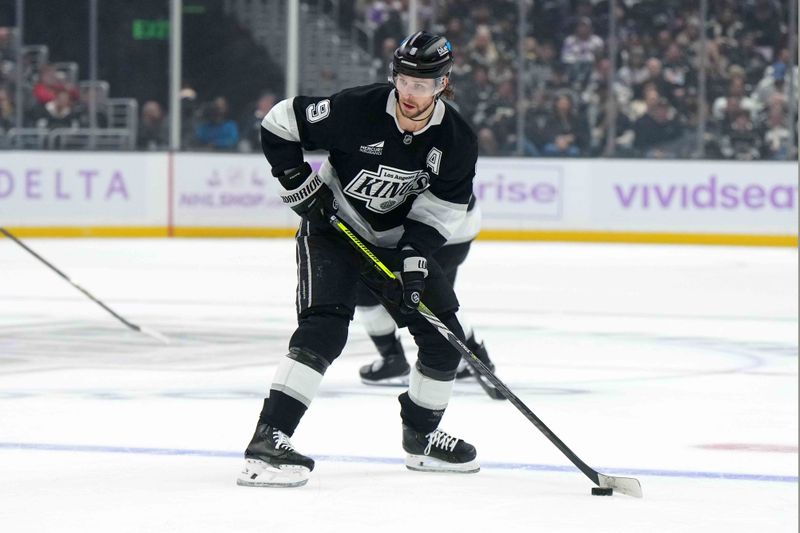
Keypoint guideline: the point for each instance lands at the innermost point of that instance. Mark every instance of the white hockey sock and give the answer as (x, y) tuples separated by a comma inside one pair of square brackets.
[(377, 320), (297, 380), (428, 392)]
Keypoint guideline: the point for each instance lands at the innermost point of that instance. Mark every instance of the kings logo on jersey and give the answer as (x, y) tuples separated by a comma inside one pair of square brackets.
[(387, 188)]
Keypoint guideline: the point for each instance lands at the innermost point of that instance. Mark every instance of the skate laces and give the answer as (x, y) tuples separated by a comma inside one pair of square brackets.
[(442, 440), (281, 440)]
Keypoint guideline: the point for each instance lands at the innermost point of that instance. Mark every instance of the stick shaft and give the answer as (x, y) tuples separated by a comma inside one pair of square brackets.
[(472, 358), (8, 234)]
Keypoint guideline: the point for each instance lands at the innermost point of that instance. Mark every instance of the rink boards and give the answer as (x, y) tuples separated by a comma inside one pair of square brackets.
[(62, 194)]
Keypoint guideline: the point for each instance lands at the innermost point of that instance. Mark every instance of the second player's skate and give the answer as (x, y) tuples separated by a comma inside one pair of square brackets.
[(464, 371), (390, 370)]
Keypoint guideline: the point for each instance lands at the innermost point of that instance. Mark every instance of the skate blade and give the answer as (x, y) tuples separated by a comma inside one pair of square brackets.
[(401, 381), (424, 463), (260, 474)]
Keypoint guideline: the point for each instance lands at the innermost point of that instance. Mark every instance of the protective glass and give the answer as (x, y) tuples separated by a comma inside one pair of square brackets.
[(416, 86)]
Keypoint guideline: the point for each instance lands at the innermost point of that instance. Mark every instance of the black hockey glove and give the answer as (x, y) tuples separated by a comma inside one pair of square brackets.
[(415, 270), (306, 194)]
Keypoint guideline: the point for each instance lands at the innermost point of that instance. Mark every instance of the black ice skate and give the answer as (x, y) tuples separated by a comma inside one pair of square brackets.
[(392, 369), (438, 452), (464, 370), (271, 461)]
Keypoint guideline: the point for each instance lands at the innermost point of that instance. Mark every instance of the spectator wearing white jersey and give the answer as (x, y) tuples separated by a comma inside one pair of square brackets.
[(580, 50)]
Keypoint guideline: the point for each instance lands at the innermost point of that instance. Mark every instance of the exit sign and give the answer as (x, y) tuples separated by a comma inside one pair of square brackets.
[(150, 30)]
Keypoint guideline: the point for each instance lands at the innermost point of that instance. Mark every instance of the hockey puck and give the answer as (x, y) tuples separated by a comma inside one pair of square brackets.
[(602, 491)]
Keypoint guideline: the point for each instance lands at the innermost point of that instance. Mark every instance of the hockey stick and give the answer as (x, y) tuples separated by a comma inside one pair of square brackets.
[(491, 391), (625, 485), (131, 325)]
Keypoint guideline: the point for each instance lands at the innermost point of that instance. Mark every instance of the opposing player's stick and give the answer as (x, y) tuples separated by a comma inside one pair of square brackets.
[(625, 485), (131, 325)]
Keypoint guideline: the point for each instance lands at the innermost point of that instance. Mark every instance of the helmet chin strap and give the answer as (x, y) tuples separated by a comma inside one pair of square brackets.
[(432, 106)]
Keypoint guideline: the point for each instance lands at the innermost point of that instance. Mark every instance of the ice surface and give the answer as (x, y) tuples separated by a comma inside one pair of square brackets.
[(675, 365)]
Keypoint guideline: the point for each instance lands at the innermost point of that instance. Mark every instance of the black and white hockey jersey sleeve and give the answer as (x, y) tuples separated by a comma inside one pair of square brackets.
[(438, 212), (299, 123)]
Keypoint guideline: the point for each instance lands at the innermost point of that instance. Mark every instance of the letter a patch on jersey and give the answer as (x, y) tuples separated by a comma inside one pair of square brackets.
[(433, 160)]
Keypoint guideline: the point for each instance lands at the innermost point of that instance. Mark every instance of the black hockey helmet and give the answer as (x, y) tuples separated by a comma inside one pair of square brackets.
[(423, 55)]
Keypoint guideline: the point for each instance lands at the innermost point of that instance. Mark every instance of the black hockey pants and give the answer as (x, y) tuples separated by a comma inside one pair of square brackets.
[(329, 272)]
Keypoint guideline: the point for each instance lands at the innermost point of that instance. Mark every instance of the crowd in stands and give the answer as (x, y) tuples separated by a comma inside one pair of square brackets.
[(7, 69), (206, 126), (566, 77), (50, 100), (567, 70)]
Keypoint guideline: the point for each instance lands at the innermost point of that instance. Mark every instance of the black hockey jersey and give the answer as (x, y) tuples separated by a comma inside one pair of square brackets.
[(393, 187)]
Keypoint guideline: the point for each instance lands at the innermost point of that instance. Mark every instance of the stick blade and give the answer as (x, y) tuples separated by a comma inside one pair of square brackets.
[(155, 334), (626, 485)]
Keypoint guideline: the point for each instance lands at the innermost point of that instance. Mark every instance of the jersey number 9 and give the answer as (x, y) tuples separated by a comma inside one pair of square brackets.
[(318, 111)]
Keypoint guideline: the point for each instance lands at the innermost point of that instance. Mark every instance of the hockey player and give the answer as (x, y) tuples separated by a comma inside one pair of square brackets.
[(392, 368), (399, 173)]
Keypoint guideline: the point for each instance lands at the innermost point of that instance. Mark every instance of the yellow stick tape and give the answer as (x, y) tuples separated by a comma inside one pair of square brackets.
[(378, 263)]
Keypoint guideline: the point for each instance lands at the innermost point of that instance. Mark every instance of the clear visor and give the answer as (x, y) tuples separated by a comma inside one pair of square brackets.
[(409, 85)]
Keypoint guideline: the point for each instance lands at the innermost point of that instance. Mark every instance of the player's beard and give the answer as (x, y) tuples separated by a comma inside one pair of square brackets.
[(420, 112)]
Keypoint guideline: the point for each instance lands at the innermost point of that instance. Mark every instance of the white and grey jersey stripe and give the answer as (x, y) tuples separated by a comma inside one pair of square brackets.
[(469, 227), (281, 121), (440, 214)]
